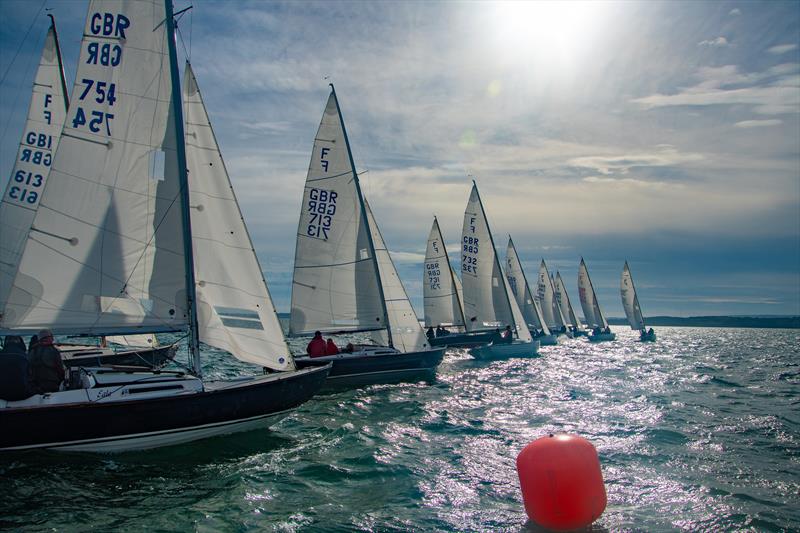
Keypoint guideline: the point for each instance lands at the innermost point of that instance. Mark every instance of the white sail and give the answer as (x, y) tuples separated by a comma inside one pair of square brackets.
[(46, 113), (235, 311), (439, 285), (335, 285), (563, 300), (518, 283), (630, 301), (460, 293), (135, 341), (488, 301), (105, 253), (546, 296), (406, 333), (591, 309)]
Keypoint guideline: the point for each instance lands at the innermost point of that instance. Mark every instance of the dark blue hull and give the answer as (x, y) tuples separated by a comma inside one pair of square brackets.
[(463, 340)]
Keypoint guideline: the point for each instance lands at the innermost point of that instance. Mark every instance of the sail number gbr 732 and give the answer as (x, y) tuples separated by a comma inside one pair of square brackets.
[(97, 93)]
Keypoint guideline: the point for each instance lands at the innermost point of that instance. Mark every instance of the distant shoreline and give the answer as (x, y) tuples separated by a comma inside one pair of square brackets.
[(776, 322), (784, 322)]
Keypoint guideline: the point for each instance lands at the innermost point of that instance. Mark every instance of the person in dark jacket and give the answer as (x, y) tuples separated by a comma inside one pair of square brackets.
[(32, 343), (46, 368), (13, 370)]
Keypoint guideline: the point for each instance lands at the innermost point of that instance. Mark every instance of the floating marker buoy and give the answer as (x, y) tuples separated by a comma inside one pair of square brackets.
[(561, 482)]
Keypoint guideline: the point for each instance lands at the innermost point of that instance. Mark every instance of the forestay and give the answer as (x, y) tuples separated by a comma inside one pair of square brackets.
[(406, 333), (106, 253), (439, 285), (591, 309), (518, 283), (630, 301), (563, 301), (335, 284), (46, 112), (235, 311)]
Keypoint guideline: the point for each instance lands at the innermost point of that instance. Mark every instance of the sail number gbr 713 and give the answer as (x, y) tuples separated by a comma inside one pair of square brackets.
[(320, 208), (97, 93)]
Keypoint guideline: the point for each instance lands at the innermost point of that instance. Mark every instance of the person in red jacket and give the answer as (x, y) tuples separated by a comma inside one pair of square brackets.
[(316, 348), (331, 347)]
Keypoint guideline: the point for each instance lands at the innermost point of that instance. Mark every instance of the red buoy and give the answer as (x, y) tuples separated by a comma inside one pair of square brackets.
[(561, 482)]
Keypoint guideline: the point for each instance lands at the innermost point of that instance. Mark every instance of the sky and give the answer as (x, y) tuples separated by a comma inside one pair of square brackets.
[(666, 134)]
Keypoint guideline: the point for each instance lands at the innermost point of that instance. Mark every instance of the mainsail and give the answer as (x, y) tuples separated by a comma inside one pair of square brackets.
[(46, 113), (440, 287), (335, 286), (545, 292), (630, 301), (488, 301), (406, 333), (106, 251), (591, 309), (518, 283), (563, 300), (235, 310)]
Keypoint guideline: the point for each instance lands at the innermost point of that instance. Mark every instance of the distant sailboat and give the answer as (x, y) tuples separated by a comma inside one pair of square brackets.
[(630, 302), (488, 301), (442, 296), (563, 300), (591, 308), (112, 251), (546, 296), (344, 279), (525, 299)]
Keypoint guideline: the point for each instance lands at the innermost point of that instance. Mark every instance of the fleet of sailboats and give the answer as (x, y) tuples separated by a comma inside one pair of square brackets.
[(138, 232)]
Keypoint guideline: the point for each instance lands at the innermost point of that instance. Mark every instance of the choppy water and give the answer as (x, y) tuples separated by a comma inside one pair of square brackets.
[(699, 431)]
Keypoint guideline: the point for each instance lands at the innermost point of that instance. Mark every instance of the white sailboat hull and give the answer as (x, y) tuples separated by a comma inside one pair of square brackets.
[(505, 351)]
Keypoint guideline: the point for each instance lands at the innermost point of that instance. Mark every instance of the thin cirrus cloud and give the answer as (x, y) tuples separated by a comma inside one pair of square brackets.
[(782, 48), (718, 42), (758, 123)]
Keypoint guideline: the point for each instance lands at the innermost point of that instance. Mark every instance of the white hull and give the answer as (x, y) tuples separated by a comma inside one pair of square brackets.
[(548, 340), (505, 351), (600, 337)]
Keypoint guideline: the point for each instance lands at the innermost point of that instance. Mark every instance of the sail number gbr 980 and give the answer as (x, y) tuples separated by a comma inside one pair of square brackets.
[(320, 207)]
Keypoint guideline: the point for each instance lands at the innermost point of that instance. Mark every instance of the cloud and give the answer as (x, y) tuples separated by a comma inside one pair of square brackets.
[(407, 257), (735, 12), (718, 42), (782, 49), (758, 123), (779, 93), (622, 164)]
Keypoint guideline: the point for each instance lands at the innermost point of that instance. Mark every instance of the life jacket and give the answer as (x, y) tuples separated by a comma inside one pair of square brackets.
[(331, 347)]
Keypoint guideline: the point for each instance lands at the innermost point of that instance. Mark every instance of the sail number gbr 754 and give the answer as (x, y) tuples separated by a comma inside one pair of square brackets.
[(97, 93)]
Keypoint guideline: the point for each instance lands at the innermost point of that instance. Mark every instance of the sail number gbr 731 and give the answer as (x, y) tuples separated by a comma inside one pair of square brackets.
[(97, 93)]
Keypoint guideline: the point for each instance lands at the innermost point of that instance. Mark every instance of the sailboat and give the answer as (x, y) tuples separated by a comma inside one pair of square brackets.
[(46, 114), (344, 279), (114, 249), (630, 302), (591, 308), (525, 299), (562, 297), (551, 310), (488, 301), (442, 296)]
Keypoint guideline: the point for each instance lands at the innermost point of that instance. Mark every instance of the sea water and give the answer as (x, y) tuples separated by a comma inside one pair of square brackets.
[(698, 431)]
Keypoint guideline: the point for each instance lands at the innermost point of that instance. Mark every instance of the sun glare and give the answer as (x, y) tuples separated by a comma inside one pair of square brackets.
[(545, 30)]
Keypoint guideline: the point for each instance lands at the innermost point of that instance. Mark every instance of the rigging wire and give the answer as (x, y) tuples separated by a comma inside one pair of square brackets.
[(24, 38)]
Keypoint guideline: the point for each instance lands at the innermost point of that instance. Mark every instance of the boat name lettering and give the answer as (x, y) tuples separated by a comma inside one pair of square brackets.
[(433, 275), (321, 207), (37, 157), (107, 24), (40, 140), (324, 162), (105, 54), (105, 92)]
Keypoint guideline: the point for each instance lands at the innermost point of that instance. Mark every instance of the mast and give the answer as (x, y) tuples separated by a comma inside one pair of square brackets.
[(364, 217), (452, 275), (183, 179), (497, 261), (60, 62)]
